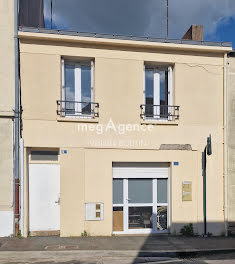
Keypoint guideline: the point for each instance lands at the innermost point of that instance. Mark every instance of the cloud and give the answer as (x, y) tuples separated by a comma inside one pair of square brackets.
[(209, 13), (224, 30)]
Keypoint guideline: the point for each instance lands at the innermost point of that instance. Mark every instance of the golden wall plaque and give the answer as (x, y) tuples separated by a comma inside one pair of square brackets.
[(187, 191)]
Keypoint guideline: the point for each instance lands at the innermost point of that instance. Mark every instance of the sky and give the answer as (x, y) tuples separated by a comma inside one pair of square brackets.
[(144, 17)]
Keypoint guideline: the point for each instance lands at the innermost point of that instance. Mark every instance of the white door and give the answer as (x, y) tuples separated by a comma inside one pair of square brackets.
[(44, 197)]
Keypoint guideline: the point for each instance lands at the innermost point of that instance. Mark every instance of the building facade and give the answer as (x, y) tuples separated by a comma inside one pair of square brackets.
[(114, 132), (7, 101)]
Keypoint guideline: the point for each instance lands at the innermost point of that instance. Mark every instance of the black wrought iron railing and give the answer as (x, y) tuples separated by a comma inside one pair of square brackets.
[(74, 108), (167, 112)]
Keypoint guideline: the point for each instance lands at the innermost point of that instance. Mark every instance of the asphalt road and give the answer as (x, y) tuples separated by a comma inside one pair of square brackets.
[(70, 257)]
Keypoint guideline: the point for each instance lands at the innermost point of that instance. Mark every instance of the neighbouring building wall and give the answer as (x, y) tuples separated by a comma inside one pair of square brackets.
[(6, 115), (231, 143)]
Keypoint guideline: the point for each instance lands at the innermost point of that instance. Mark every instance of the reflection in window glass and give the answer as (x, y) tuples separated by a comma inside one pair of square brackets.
[(86, 88), (149, 92), (162, 217), (140, 217), (163, 93), (77, 88), (122, 17), (69, 89)]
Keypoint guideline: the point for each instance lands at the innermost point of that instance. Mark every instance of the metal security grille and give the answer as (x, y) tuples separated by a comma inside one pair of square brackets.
[(74, 108), (169, 112)]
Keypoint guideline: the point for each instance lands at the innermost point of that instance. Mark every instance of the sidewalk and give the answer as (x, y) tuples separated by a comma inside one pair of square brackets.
[(148, 246)]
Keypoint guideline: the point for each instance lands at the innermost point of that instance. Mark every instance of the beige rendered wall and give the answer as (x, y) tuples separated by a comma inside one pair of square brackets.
[(231, 140), (86, 171), (6, 113), (7, 67), (6, 138), (92, 182)]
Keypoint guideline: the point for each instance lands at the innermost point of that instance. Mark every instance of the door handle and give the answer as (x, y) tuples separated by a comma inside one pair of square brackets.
[(58, 201)]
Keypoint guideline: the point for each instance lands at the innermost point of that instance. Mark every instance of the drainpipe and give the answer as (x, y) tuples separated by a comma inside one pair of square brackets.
[(22, 186), (225, 145), (17, 113)]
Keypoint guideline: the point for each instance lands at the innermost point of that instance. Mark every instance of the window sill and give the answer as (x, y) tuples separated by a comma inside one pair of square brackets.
[(78, 119), (159, 122)]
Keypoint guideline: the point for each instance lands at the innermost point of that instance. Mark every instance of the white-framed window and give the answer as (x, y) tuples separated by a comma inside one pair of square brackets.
[(158, 94), (77, 88)]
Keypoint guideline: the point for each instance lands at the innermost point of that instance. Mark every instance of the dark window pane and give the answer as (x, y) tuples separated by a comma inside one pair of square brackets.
[(69, 89), (117, 208), (86, 89), (149, 92), (140, 217), (164, 94), (44, 155), (162, 87)]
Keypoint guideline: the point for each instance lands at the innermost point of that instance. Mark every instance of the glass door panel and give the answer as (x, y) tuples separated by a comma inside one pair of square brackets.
[(161, 218), (140, 217), (140, 205), (118, 191), (162, 190), (140, 191), (118, 206)]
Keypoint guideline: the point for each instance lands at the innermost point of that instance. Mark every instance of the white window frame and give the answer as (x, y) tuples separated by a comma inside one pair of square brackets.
[(170, 91), (154, 174), (155, 204), (78, 88), (156, 92)]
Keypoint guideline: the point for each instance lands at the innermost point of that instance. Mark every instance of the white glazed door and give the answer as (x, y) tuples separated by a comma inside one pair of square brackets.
[(142, 195)]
